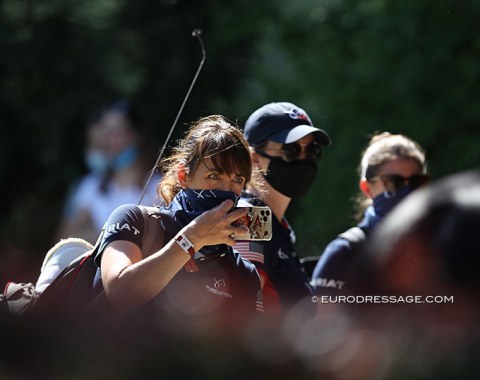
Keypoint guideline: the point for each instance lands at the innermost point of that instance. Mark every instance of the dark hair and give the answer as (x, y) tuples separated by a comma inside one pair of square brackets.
[(136, 123), (211, 137), (128, 110), (123, 107)]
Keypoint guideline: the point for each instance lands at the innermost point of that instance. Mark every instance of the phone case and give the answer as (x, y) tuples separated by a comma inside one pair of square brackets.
[(258, 220)]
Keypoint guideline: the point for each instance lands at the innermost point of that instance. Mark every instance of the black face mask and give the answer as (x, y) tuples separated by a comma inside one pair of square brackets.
[(293, 178)]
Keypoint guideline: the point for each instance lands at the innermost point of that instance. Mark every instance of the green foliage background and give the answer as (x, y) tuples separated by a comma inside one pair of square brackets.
[(356, 66)]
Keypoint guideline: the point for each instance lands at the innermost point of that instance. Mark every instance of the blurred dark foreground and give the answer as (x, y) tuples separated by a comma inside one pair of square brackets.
[(396, 341)]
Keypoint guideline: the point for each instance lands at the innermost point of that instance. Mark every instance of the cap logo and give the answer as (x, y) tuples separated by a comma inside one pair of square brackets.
[(294, 114)]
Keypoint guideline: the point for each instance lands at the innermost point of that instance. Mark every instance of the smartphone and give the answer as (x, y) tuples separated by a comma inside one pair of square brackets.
[(258, 220)]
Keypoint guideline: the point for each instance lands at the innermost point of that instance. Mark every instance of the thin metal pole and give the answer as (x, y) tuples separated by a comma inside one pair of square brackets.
[(196, 33)]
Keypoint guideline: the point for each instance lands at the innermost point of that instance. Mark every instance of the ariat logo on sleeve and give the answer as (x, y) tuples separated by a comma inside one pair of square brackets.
[(327, 283), (117, 227)]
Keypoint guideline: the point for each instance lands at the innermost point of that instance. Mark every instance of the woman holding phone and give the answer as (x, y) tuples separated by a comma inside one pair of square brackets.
[(190, 270)]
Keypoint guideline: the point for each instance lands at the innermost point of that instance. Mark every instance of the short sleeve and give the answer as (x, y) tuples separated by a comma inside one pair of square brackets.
[(126, 222)]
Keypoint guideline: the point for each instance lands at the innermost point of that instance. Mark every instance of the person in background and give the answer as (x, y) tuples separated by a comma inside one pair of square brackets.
[(117, 159), (189, 273), (422, 263), (428, 246), (285, 147), (392, 166)]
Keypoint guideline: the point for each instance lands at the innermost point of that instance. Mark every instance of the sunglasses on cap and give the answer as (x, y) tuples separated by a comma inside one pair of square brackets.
[(292, 151), (396, 182)]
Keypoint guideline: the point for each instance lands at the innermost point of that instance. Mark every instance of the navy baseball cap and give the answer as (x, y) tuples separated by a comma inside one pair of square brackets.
[(281, 122)]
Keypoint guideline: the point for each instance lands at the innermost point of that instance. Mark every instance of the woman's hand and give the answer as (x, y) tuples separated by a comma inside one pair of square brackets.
[(215, 226)]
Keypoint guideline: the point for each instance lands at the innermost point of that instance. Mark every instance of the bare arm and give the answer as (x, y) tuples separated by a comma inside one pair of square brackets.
[(131, 280)]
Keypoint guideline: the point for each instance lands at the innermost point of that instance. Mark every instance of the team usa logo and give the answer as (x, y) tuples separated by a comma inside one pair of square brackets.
[(219, 288), (282, 255), (295, 114)]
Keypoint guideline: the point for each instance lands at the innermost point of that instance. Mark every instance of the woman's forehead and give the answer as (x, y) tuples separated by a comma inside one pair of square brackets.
[(208, 164)]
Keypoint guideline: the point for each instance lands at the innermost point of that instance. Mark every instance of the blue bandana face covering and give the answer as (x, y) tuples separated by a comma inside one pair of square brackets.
[(196, 202), (386, 201), (189, 203), (383, 204)]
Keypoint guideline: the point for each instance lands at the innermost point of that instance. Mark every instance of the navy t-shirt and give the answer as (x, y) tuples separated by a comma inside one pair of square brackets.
[(333, 269), (225, 284)]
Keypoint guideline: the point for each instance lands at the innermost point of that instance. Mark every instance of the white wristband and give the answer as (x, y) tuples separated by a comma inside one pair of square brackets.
[(185, 244)]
